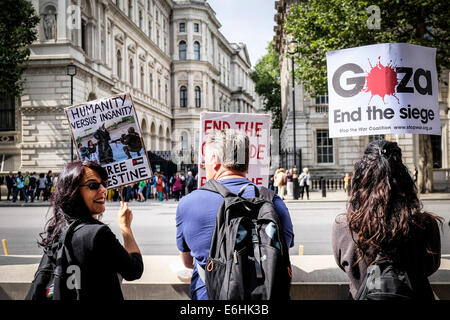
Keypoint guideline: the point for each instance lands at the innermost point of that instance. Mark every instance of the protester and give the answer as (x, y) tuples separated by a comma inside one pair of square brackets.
[(20, 189), (304, 182), (347, 182), (177, 187), (155, 182), (183, 185), (296, 184), (196, 212), (140, 196), (160, 187), (41, 185), (166, 188), (10, 184), (80, 195), (189, 182), (32, 187), (384, 216), (280, 182), (48, 185)]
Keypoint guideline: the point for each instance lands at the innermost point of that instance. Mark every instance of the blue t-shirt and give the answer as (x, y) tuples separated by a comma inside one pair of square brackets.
[(196, 219)]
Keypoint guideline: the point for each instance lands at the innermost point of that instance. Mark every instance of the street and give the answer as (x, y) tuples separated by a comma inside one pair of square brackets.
[(154, 226)]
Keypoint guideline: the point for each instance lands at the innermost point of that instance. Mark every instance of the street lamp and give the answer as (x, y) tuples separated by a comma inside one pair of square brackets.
[(71, 71), (292, 49)]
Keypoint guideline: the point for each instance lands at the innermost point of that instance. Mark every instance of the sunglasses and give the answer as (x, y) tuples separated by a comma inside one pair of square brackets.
[(95, 185)]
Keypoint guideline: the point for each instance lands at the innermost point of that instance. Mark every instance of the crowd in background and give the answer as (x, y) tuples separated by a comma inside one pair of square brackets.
[(39, 187), (159, 187), (28, 187)]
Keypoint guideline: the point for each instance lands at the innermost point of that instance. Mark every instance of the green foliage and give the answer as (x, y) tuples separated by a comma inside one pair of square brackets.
[(267, 84), (326, 25), (17, 31)]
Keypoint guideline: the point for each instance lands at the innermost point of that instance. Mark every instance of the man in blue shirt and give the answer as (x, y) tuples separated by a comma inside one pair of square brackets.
[(226, 160)]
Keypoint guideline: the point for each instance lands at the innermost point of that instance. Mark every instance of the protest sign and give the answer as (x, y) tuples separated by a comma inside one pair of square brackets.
[(107, 131), (257, 128), (386, 88)]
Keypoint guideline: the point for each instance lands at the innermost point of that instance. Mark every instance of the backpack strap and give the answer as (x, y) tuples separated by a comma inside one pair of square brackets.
[(214, 186), (241, 192)]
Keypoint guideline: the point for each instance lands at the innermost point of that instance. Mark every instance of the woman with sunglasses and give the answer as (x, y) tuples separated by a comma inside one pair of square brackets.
[(80, 195)]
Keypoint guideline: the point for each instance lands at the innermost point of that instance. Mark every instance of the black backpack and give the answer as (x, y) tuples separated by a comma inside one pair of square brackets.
[(385, 281), (56, 266), (248, 258)]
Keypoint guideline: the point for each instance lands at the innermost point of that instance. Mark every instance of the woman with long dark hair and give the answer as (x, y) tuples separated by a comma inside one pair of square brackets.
[(80, 194), (384, 216)]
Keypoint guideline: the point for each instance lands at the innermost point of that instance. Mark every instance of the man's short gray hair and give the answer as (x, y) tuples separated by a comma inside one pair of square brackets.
[(231, 147)]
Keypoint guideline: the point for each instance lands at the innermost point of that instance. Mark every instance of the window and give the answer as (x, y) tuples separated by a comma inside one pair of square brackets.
[(131, 72), (159, 89), (377, 137), (182, 27), (196, 50), (324, 147), (84, 36), (198, 97), (157, 37), (166, 94), (436, 148), (150, 89), (182, 50), (323, 99), (119, 64), (7, 109), (157, 16), (196, 27), (118, 3), (130, 8), (140, 19), (142, 78), (149, 5), (150, 29), (183, 97)]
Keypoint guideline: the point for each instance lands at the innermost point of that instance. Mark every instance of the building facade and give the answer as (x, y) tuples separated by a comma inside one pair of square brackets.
[(170, 55), (333, 157)]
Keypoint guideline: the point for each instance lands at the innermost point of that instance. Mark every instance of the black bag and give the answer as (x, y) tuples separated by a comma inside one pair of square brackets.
[(384, 281), (248, 258), (51, 278)]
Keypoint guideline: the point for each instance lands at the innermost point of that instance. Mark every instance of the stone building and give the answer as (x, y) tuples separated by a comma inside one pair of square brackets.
[(170, 55), (333, 157)]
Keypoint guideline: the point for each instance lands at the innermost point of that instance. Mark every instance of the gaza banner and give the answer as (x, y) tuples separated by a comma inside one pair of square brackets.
[(107, 132), (389, 88), (256, 127)]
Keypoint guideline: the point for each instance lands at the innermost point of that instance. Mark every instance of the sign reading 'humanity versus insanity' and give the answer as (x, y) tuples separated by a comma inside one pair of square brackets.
[(383, 89), (255, 126), (107, 131)]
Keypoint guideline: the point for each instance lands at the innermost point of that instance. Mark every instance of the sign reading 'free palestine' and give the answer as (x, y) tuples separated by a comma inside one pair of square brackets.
[(389, 88)]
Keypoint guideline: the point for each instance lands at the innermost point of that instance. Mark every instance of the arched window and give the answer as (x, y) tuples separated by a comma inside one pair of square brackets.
[(183, 97), (119, 64), (198, 102), (182, 50), (196, 50), (131, 72)]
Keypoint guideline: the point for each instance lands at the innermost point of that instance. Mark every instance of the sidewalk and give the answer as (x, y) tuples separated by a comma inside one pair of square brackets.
[(315, 196)]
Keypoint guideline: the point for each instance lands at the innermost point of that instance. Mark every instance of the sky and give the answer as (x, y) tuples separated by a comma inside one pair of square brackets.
[(247, 21)]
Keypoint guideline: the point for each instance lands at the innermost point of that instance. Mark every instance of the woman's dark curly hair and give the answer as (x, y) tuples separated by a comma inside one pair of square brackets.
[(384, 210), (66, 200)]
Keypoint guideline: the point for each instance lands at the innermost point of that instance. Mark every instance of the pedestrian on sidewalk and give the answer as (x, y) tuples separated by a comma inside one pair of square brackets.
[(280, 182), (10, 184), (304, 182), (41, 185), (385, 221), (177, 187), (20, 189), (79, 197)]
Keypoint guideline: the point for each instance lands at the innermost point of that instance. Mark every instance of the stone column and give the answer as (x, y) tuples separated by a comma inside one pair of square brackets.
[(61, 29)]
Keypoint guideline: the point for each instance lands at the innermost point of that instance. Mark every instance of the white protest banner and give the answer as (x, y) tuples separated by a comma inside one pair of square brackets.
[(389, 88), (257, 128), (107, 131)]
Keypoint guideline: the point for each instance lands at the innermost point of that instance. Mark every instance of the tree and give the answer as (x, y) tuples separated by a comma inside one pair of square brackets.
[(326, 25), (267, 84), (17, 31)]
